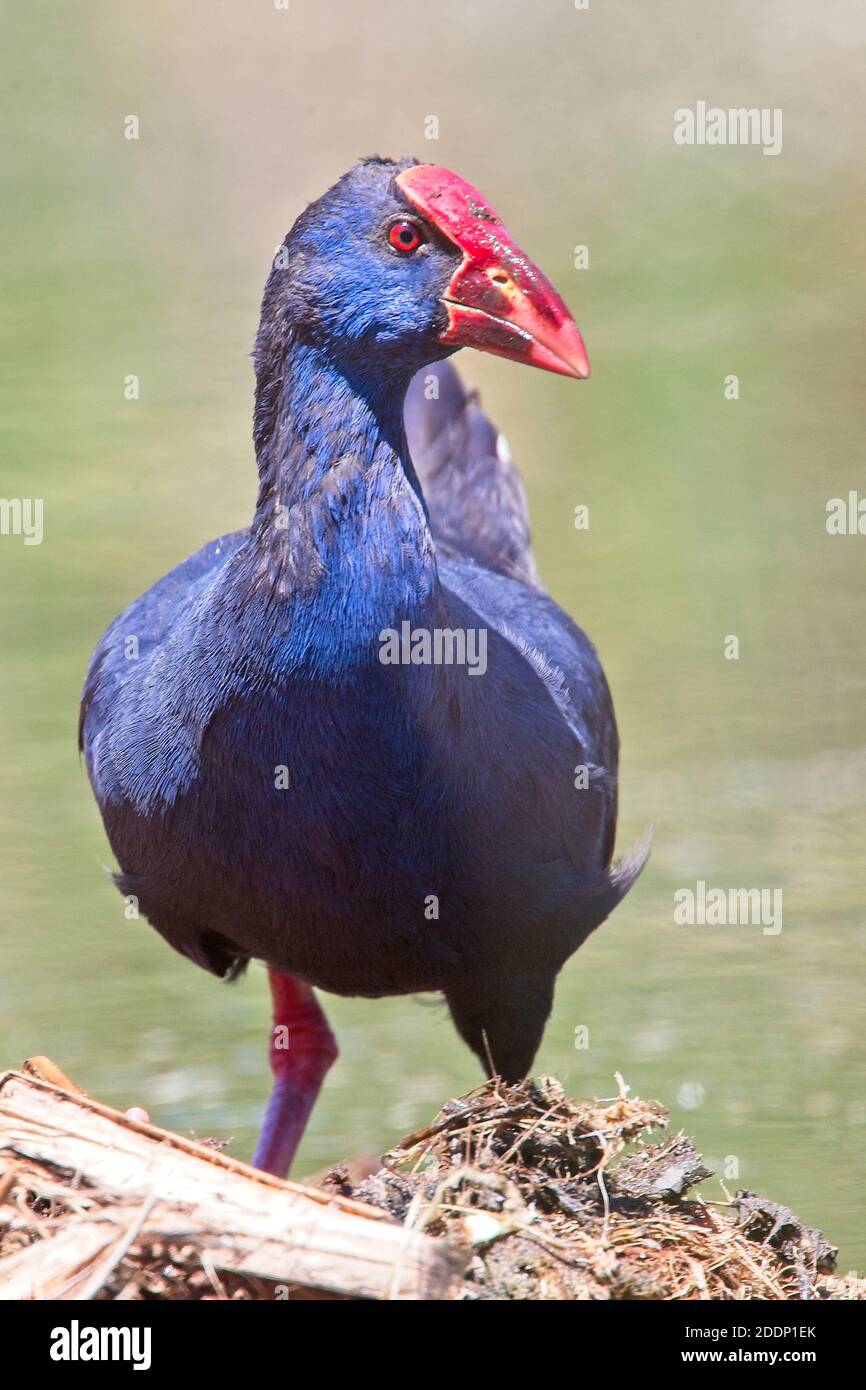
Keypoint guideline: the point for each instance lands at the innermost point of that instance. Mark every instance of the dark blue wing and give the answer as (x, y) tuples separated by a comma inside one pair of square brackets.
[(474, 494)]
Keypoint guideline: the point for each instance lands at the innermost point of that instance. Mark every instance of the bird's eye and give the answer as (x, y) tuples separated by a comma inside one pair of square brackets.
[(405, 236)]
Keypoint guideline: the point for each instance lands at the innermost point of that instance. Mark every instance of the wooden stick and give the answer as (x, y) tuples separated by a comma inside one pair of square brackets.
[(172, 1190)]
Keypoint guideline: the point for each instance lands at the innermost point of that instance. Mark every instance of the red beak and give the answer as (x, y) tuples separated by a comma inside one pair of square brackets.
[(497, 300)]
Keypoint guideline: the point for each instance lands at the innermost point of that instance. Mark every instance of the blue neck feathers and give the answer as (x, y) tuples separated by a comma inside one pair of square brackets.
[(339, 546)]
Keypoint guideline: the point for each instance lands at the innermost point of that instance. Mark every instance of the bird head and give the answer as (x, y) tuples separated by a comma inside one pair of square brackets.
[(402, 263)]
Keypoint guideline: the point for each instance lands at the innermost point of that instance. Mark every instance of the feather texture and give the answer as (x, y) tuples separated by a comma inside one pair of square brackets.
[(271, 788)]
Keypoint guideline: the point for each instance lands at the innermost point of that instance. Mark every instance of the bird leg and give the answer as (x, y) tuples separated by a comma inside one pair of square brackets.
[(302, 1049)]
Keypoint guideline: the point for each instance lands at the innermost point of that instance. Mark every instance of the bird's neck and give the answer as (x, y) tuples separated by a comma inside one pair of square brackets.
[(340, 530)]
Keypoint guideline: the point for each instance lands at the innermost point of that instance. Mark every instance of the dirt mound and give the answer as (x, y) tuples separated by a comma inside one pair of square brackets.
[(541, 1190), (513, 1192)]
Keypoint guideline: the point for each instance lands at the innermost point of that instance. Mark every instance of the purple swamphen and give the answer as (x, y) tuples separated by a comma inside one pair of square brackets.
[(344, 741)]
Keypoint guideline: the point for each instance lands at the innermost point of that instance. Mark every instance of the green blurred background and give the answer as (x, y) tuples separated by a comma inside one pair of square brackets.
[(707, 516)]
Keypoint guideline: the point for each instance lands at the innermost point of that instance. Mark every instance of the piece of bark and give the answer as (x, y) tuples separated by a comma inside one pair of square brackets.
[(56, 1268), (665, 1171), (240, 1219)]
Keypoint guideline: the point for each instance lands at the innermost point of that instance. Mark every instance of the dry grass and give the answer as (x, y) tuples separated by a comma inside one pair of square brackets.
[(541, 1190), (513, 1192)]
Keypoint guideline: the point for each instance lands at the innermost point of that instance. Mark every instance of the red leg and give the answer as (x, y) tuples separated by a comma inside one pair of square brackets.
[(301, 1051)]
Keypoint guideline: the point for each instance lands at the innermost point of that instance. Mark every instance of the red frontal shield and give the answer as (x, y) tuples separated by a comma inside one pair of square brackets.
[(498, 300)]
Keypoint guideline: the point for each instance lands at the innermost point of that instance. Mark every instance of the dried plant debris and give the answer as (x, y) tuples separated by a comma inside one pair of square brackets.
[(539, 1188), (512, 1192), (665, 1171), (95, 1204)]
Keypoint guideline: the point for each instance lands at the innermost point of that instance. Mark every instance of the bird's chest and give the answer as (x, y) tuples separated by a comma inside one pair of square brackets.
[(327, 812), (336, 788)]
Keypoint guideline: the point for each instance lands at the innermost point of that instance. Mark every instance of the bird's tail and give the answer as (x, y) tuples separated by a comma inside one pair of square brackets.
[(608, 891), (623, 873), (474, 494)]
